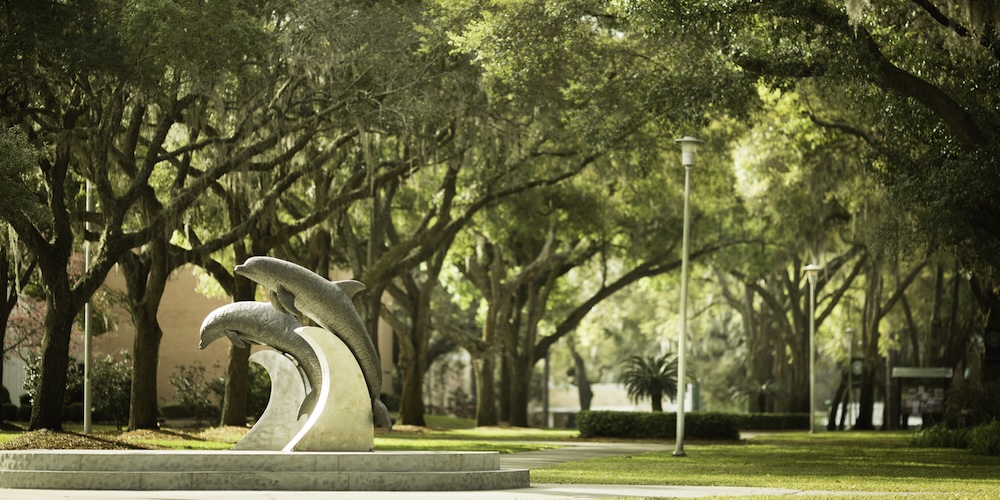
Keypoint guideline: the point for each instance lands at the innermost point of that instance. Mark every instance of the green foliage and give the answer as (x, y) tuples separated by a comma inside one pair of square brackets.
[(73, 412), (19, 191), (23, 413), (4, 395), (194, 392), (985, 439), (971, 405), (8, 411), (774, 421), (940, 436), (657, 425), (391, 401), (259, 390), (112, 385), (74, 379)]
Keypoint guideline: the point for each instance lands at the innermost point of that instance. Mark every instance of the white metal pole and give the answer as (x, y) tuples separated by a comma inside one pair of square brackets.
[(682, 335), (88, 328), (812, 351)]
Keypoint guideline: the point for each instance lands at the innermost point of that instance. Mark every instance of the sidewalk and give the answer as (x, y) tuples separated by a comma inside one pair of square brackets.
[(529, 460)]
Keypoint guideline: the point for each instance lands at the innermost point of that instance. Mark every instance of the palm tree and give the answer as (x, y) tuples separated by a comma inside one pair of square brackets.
[(650, 377)]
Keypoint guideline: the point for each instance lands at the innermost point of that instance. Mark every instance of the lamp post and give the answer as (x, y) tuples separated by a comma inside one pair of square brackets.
[(811, 270), (88, 329), (849, 336), (689, 146)]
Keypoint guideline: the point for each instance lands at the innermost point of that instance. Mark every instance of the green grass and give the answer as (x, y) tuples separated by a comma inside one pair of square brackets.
[(877, 462), (853, 461), (454, 444)]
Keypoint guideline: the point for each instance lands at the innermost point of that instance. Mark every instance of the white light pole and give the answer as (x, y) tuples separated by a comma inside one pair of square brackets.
[(88, 329), (689, 146), (811, 270), (849, 334)]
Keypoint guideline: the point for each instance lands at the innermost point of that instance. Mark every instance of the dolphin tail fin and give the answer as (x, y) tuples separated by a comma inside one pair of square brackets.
[(309, 403), (350, 287), (380, 414)]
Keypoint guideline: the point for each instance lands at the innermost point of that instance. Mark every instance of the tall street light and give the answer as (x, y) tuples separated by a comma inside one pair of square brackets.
[(811, 270), (689, 146)]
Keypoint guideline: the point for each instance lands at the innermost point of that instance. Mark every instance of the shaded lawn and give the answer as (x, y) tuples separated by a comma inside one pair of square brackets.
[(874, 462)]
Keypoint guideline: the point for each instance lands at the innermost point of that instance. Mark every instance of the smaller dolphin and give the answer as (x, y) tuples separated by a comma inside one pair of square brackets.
[(246, 323)]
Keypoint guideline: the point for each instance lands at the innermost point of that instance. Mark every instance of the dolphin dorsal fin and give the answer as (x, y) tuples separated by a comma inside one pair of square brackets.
[(350, 287)]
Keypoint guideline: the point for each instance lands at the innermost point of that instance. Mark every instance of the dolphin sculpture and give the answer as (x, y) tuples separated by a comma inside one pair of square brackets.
[(297, 290), (258, 323)]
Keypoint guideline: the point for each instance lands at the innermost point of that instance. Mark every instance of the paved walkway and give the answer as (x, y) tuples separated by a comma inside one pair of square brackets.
[(530, 460)]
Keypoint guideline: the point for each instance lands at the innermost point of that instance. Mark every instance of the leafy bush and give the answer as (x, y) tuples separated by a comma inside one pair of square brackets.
[(971, 405), (74, 379), (8, 411), (985, 439), (4, 395), (178, 412), (391, 401), (24, 413), (194, 391), (112, 386), (774, 421), (940, 436), (259, 392), (657, 425), (73, 412)]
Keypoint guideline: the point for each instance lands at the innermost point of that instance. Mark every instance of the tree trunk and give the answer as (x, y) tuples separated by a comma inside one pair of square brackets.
[(486, 408), (46, 411), (870, 338), (234, 403), (520, 381), (582, 381), (838, 397), (145, 278)]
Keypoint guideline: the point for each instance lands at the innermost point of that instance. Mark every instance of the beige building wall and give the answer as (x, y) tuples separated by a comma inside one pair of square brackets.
[(181, 314)]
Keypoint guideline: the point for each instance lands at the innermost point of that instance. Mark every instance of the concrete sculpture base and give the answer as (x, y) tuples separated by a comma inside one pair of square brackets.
[(280, 421), (342, 419), (257, 470)]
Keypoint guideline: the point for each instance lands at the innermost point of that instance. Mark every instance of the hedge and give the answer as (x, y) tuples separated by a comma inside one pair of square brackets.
[(774, 421), (657, 425)]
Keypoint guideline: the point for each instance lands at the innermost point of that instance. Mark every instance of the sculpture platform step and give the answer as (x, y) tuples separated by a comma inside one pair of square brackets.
[(246, 470)]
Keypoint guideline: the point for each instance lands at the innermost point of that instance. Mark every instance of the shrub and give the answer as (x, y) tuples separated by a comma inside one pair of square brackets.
[(112, 386), (259, 392), (940, 436), (194, 391), (9, 411), (73, 412), (774, 421), (391, 401), (971, 405), (657, 425), (4, 395), (985, 439), (24, 413)]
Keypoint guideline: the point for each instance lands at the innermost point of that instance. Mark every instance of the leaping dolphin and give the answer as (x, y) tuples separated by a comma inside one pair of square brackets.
[(259, 323), (296, 289)]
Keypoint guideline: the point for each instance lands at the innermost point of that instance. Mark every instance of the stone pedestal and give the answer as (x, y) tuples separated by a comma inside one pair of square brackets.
[(342, 419), (280, 421)]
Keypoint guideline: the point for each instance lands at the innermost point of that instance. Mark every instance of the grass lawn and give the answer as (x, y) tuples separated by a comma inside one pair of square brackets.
[(828, 461), (851, 461)]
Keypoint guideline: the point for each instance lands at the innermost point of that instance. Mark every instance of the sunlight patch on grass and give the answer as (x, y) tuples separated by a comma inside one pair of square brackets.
[(436, 444)]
